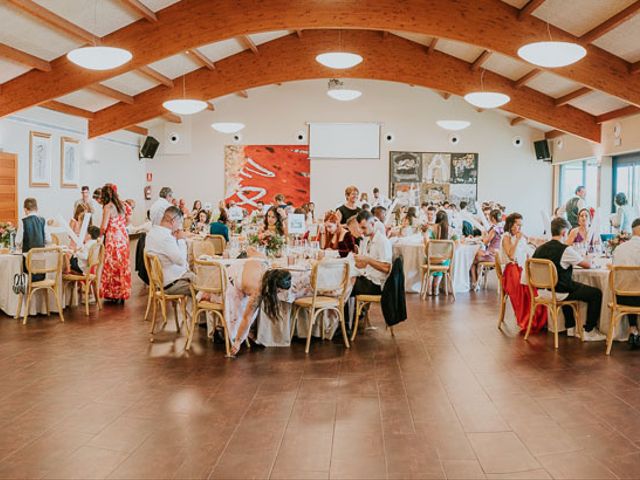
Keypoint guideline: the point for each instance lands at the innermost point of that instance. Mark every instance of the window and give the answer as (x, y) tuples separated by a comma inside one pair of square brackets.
[(626, 178), (573, 174)]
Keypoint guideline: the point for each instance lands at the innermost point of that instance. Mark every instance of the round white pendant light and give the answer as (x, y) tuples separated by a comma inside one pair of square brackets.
[(99, 58), (227, 127), (552, 54), (453, 125), (339, 60), (487, 99), (185, 106)]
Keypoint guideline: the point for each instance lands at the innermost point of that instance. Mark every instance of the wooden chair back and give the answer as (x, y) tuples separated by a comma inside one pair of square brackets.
[(620, 278), (55, 239), (498, 268), (47, 260), (330, 278), (156, 275), (201, 247), (542, 275), (211, 277), (218, 243), (95, 261), (438, 251)]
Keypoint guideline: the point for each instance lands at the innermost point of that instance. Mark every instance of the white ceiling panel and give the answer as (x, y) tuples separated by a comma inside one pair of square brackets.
[(464, 51), (507, 66), (623, 41), (175, 66), (130, 83), (597, 103), (219, 50), (260, 38), (9, 70), (21, 31), (552, 85), (579, 16), (87, 100)]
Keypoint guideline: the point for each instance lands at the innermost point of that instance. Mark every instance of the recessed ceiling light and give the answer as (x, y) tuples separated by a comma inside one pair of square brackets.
[(453, 124), (339, 60), (487, 99), (185, 106), (552, 54), (99, 58), (227, 127)]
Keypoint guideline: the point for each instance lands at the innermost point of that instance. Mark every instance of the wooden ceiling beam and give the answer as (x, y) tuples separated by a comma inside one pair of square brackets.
[(49, 18), (611, 23), (247, 43), (24, 58), (110, 92), (550, 135), (634, 68), (516, 121), (444, 95), (171, 117), (299, 33), (493, 24), (393, 59), (243, 94), (200, 58), (139, 8), (529, 8), (619, 113), (138, 129), (581, 92), (156, 76), (432, 45), (523, 80), (68, 109), (482, 58), (210, 106)]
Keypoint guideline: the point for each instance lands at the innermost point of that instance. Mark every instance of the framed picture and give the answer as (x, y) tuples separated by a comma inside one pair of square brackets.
[(69, 162), (405, 167), (39, 159)]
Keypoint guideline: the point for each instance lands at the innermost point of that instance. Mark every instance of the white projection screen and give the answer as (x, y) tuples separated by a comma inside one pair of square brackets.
[(344, 140)]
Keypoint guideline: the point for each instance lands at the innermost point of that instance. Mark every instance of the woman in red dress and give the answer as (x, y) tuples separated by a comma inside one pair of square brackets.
[(116, 274)]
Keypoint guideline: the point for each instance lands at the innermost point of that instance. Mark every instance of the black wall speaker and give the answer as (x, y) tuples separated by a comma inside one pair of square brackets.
[(149, 148), (542, 150)]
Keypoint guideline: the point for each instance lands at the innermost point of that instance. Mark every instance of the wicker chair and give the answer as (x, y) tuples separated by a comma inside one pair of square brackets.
[(47, 261), (619, 276)]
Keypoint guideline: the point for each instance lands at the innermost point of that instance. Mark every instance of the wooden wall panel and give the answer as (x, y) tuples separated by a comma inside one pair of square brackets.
[(8, 187)]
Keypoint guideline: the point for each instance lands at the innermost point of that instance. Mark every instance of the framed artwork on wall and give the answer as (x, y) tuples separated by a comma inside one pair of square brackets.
[(69, 162), (39, 159)]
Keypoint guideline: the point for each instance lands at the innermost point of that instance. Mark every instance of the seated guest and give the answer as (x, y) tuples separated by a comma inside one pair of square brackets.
[(201, 223), (79, 260), (220, 226), (197, 206), (353, 225), (429, 221), (350, 206), (165, 199), (491, 241), (565, 258), (167, 241), (628, 253), (311, 212), (374, 260), (409, 222), (380, 214), (273, 222), (441, 231), (581, 234), (76, 222), (32, 232), (624, 214), (329, 231)]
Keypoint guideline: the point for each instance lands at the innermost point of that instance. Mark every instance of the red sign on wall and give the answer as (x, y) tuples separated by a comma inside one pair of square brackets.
[(149, 176)]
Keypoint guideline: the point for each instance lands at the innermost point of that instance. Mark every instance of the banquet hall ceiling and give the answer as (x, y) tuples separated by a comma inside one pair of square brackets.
[(35, 35)]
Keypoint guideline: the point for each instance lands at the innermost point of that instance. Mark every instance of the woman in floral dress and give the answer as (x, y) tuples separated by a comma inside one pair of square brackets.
[(116, 274)]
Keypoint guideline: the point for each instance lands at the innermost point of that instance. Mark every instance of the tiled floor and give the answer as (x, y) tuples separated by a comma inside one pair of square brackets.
[(449, 397)]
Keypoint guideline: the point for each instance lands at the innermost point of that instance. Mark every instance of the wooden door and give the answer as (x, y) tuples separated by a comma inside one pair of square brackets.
[(8, 188)]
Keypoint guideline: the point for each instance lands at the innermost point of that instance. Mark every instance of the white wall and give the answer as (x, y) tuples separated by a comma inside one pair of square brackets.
[(274, 115), (113, 158)]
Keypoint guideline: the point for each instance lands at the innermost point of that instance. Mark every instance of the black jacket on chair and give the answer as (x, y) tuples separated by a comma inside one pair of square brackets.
[(393, 302), (140, 268)]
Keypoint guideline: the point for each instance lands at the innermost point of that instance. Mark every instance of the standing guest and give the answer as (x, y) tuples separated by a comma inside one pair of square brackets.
[(167, 241), (279, 201), (628, 253), (581, 234), (220, 226), (350, 206), (165, 200), (379, 199), (116, 273), (491, 240), (201, 224), (565, 258), (195, 210), (374, 260), (96, 214), (85, 199), (32, 232), (574, 205), (380, 214), (624, 214), (76, 222), (273, 222)]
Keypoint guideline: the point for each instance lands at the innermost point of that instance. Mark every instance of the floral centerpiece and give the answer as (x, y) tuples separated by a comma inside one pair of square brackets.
[(6, 229), (617, 240), (271, 242)]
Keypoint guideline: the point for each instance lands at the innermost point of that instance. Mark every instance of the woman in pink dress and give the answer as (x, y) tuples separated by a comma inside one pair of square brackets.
[(116, 274)]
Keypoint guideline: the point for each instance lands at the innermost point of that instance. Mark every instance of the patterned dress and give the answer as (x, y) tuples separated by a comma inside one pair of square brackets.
[(116, 275)]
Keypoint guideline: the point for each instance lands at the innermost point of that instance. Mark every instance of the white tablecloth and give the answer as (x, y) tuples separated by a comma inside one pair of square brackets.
[(412, 251)]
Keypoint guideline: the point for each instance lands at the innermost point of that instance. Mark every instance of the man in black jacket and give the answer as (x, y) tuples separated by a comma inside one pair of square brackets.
[(565, 258)]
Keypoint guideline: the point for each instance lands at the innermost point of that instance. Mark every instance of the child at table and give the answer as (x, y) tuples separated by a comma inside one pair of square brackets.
[(78, 262), (32, 232)]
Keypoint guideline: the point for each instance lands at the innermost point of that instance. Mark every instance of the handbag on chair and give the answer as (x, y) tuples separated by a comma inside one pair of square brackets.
[(20, 283)]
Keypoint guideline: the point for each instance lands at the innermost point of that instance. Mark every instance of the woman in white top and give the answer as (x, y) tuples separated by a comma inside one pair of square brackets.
[(513, 247)]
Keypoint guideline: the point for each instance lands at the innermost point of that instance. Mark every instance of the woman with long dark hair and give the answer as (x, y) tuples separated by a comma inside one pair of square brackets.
[(273, 222), (116, 274), (440, 232)]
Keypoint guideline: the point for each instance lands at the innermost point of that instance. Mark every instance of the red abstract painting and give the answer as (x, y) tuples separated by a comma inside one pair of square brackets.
[(259, 172)]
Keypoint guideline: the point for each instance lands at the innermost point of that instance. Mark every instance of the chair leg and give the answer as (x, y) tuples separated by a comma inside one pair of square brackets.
[(87, 292), (532, 310), (154, 315), (17, 315), (450, 281), (579, 326), (163, 311), (94, 287), (555, 328), (356, 321), (343, 325), (46, 302), (503, 307), (56, 294), (423, 286), (312, 319), (227, 340), (191, 327), (175, 314), (149, 300), (26, 313), (612, 325), (294, 319)]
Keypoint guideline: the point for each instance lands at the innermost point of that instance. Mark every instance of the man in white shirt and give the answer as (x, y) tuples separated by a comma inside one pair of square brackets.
[(374, 260), (167, 242), (236, 213), (380, 214), (628, 253), (565, 258), (379, 199), (156, 212)]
